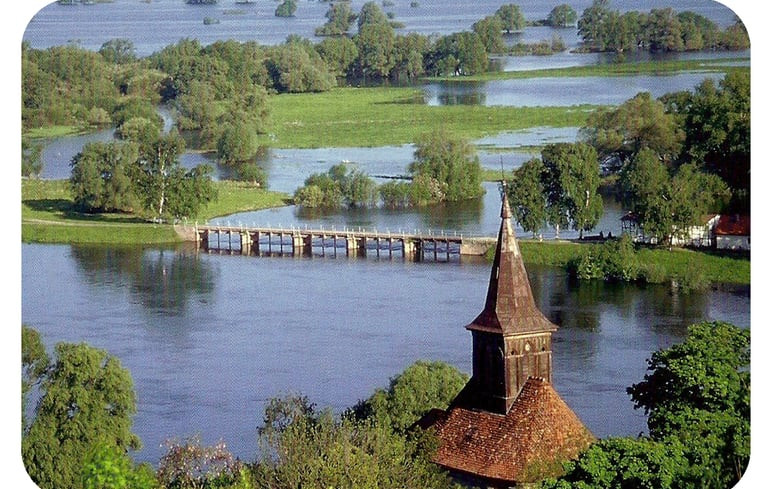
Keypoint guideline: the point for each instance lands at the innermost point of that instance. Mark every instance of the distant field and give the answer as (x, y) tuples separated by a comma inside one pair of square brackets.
[(370, 117), (617, 69)]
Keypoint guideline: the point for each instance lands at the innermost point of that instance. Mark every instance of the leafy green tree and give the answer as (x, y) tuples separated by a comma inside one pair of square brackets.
[(717, 125), (339, 53), (118, 51), (735, 37), (697, 31), (489, 30), (620, 463), (664, 30), (101, 177), (340, 18), (296, 68), (409, 53), (375, 47), (526, 195), (286, 8), (446, 166), (512, 17), (200, 112), (612, 261), (305, 447), (139, 130), (461, 53), (666, 205), (571, 182), (109, 468), (369, 14), (31, 158), (592, 24), (419, 388), (562, 15), (34, 365), (640, 122), (87, 400), (697, 393), (133, 108), (238, 143)]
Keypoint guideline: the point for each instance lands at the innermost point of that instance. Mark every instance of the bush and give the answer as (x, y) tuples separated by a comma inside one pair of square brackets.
[(691, 279), (613, 261), (190, 464)]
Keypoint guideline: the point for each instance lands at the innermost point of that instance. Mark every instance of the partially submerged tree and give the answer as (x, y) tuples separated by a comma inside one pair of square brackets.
[(527, 196)]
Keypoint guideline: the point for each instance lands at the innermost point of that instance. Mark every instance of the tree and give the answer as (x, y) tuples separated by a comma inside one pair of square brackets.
[(664, 31), (375, 47), (286, 8), (461, 53), (109, 468), (562, 15), (102, 177), (593, 24), (717, 125), (512, 17), (445, 168), (409, 53), (34, 365), (340, 18), (571, 182), (86, 400), (369, 14), (339, 53), (166, 188), (189, 464), (697, 393), (238, 143), (526, 196), (118, 51), (640, 122), (306, 447), (620, 463), (31, 158), (666, 205), (296, 68), (419, 388), (139, 130), (489, 30)]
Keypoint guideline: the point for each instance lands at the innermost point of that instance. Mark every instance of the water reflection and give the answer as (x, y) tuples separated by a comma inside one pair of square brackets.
[(161, 280)]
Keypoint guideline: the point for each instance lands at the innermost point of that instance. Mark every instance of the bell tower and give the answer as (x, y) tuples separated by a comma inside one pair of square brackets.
[(512, 339)]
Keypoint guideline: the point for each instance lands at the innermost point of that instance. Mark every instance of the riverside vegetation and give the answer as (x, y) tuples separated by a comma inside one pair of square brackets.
[(695, 390)]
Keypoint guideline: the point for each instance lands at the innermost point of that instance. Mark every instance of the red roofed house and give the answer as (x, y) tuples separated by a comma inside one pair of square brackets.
[(508, 424), (732, 233)]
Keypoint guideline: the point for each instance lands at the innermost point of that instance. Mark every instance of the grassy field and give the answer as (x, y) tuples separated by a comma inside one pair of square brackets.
[(716, 268), (618, 69), (372, 117), (48, 215)]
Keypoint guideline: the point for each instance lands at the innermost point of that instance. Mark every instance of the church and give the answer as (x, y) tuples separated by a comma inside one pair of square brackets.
[(508, 425)]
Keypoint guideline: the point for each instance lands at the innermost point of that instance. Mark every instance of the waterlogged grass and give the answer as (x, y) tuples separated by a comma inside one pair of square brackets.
[(55, 131), (370, 117), (671, 264), (48, 215), (616, 69)]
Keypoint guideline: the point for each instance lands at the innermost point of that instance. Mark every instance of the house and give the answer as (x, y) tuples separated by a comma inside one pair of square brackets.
[(699, 235), (508, 425), (732, 233)]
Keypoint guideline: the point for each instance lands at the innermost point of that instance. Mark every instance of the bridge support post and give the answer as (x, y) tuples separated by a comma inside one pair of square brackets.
[(412, 249), (355, 246), (204, 235), (298, 244)]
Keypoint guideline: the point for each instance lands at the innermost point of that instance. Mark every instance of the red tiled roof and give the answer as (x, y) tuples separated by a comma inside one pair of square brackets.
[(735, 225), (539, 429)]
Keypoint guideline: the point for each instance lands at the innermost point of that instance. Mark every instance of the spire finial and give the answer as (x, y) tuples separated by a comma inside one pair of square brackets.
[(506, 214)]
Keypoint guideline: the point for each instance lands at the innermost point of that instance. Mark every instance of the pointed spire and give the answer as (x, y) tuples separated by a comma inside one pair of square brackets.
[(510, 307)]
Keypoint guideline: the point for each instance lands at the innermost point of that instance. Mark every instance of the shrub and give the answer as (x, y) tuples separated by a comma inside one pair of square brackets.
[(189, 464)]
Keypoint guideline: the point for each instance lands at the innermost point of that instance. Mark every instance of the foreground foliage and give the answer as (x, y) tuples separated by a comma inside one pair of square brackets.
[(696, 395), (86, 400)]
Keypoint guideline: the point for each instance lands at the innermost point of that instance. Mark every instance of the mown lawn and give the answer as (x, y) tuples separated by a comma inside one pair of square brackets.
[(370, 117)]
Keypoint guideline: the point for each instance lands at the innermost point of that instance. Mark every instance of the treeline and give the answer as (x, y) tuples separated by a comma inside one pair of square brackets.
[(78, 433), (604, 29), (671, 161), (445, 169)]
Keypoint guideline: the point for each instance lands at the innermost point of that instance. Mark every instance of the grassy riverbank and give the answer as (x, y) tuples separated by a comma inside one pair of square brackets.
[(617, 69), (714, 267), (48, 215), (369, 117)]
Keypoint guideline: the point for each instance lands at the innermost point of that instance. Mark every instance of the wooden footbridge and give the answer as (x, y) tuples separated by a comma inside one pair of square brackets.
[(268, 241)]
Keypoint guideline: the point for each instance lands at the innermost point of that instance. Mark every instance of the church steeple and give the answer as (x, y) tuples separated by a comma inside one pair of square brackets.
[(510, 306), (512, 339)]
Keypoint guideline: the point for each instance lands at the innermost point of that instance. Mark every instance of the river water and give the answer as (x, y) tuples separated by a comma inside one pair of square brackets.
[(208, 338)]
